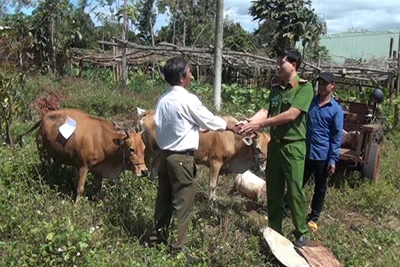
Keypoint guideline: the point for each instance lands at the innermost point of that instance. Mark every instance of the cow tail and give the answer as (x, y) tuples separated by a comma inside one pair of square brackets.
[(37, 124)]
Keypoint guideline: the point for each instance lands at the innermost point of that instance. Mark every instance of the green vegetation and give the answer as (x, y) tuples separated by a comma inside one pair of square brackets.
[(40, 227)]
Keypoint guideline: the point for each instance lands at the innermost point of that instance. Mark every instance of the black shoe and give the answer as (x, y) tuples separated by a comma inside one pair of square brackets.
[(311, 217), (301, 241), (154, 240)]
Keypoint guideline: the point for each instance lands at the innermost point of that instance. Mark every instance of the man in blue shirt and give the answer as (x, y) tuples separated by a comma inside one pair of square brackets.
[(324, 138)]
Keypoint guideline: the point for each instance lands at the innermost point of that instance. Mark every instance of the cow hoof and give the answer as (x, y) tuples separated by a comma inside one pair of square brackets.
[(77, 200)]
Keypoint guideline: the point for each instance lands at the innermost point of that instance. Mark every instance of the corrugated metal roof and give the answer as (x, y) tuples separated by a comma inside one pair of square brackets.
[(365, 45), (363, 33)]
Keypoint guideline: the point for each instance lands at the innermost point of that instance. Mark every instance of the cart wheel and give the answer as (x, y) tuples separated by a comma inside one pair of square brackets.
[(372, 168), (378, 136)]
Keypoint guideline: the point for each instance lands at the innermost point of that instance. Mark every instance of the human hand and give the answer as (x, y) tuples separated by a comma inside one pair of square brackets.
[(232, 127), (331, 169), (250, 127), (243, 122)]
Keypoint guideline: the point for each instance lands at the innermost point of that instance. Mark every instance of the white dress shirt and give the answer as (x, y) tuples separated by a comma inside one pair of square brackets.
[(178, 116)]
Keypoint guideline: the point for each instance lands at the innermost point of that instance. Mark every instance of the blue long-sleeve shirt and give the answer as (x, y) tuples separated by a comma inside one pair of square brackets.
[(324, 131)]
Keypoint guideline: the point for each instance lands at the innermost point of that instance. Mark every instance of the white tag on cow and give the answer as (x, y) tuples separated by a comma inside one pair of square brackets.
[(68, 128), (248, 141)]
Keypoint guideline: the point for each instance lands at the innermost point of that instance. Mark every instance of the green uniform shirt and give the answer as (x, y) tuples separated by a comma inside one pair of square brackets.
[(297, 93)]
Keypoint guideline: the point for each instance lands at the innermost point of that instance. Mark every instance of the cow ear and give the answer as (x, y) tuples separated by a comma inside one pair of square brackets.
[(137, 127), (129, 131), (254, 135), (118, 141)]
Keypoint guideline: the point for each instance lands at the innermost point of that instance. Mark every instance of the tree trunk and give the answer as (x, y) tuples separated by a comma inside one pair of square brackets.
[(173, 32), (184, 34), (124, 30), (53, 48), (8, 122), (219, 21)]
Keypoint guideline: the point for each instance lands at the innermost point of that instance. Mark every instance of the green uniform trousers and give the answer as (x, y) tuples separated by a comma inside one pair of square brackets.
[(176, 192), (286, 166)]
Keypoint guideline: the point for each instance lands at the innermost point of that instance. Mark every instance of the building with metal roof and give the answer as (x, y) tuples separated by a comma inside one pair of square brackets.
[(364, 45)]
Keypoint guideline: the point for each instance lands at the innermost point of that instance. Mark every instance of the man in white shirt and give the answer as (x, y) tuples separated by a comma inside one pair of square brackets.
[(179, 117)]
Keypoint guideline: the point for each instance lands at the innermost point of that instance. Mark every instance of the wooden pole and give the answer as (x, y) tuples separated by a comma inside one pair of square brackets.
[(389, 84), (153, 44), (219, 20), (184, 33), (115, 65), (391, 47), (319, 63), (53, 45), (123, 63), (398, 69)]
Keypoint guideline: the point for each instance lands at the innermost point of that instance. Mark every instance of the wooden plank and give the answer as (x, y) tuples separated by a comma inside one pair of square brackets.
[(283, 249), (352, 126)]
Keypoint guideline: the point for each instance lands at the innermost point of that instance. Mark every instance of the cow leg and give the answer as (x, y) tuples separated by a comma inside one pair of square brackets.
[(215, 167), (98, 182), (83, 171), (44, 156)]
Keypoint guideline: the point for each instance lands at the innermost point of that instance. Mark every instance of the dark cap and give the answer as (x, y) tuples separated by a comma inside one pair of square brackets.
[(327, 77)]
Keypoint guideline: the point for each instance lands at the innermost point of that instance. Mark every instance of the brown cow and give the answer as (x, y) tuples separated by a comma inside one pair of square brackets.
[(223, 152), (94, 146)]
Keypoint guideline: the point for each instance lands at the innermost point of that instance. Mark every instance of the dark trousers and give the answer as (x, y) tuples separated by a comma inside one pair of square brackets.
[(320, 171), (176, 192)]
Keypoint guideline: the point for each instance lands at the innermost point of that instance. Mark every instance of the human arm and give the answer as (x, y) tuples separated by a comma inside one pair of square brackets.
[(205, 119), (258, 117), (301, 103), (336, 130)]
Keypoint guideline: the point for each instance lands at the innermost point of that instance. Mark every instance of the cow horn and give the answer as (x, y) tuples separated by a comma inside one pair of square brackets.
[(248, 141)]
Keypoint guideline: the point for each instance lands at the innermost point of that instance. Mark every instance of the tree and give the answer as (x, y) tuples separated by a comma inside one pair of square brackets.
[(291, 19), (236, 38), (146, 14), (17, 4), (11, 104), (312, 53), (55, 32), (17, 42), (190, 20)]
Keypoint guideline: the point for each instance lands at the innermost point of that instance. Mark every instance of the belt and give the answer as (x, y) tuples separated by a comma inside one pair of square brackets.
[(186, 152), (285, 141)]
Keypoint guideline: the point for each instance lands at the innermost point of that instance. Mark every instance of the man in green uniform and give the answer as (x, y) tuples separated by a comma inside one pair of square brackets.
[(286, 114)]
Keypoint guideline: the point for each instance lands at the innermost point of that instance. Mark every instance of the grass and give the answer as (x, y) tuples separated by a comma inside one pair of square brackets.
[(39, 225)]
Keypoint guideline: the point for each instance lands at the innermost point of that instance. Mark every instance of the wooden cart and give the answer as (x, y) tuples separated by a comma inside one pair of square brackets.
[(364, 153)]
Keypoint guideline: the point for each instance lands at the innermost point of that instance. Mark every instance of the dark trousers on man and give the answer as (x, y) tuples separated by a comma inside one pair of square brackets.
[(176, 192), (320, 170)]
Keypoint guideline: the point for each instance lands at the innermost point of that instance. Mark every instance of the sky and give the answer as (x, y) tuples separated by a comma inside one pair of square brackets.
[(340, 15)]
